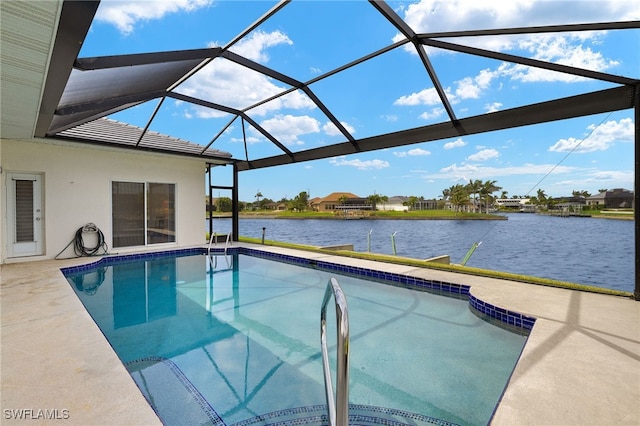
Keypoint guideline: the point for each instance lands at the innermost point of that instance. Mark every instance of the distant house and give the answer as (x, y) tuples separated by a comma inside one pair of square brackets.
[(426, 205), (569, 203), (314, 203), (618, 198), (334, 201), (399, 203), (512, 202), (276, 206), (395, 204)]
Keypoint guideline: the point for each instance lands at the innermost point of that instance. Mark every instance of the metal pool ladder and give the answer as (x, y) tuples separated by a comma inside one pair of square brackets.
[(338, 407), (214, 241)]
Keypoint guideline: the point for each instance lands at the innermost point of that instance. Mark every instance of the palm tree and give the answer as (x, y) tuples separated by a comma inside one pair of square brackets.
[(411, 201), (488, 188), (472, 188), (384, 199), (446, 193), (542, 197), (459, 197), (374, 200)]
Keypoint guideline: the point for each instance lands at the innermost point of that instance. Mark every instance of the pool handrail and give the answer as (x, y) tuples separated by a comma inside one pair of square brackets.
[(214, 240), (227, 243), (338, 408)]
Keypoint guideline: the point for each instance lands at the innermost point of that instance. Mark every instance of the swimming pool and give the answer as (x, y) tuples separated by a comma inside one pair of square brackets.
[(236, 340)]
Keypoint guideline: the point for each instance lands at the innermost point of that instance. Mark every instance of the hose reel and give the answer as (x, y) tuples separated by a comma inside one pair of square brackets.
[(80, 248)]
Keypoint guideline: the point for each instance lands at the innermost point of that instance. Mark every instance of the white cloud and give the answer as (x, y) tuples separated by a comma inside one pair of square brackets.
[(359, 164), (331, 130), (561, 50), (472, 87), (249, 139), (626, 176), (473, 171), (483, 155), (226, 83), (424, 97), (255, 47), (466, 88), (450, 15), (597, 179), (493, 107), (125, 15), (567, 48), (434, 113), (458, 143), (600, 138), (287, 128), (416, 152)]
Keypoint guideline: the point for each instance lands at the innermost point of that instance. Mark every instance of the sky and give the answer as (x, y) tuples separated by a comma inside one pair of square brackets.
[(389, 93)]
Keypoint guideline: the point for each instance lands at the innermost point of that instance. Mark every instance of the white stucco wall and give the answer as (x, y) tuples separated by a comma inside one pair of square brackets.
[(77, 189), (395, 207)]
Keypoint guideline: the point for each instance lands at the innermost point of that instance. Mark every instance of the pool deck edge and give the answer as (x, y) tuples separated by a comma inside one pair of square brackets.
[(56, 366)]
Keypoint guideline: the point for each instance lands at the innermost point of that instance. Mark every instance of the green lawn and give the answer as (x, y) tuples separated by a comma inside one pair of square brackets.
[(445, 267)]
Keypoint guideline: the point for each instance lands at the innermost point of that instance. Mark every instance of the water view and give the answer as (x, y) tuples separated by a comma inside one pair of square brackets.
[(597, 252)]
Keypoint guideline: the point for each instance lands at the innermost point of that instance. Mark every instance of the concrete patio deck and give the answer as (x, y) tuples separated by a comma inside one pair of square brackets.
[(580, 366)]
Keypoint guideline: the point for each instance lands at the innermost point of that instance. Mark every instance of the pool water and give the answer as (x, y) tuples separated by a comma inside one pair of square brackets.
[(235, 339)]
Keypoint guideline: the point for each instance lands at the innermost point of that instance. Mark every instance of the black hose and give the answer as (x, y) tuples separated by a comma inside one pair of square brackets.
[(78, 242), (81, 250)]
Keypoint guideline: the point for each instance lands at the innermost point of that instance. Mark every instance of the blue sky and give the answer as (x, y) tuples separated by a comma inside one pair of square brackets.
[(389, 93)]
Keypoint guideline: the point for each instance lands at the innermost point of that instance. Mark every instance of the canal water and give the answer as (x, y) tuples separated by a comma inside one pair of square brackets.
[(597, 252)]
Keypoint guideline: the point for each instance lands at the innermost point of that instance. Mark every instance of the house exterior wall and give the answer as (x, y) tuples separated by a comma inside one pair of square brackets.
[(392, 206), (77, 190), (613, 199)]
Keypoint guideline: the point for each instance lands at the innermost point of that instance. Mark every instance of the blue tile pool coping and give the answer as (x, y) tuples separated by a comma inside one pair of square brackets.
[(502, 315)]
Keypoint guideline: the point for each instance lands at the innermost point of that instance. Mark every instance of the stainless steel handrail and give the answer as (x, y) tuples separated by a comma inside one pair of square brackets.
[(338, 408), (227, 243)]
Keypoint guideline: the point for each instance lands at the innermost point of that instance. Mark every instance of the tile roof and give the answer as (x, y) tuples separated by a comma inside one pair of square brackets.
[(111, 132)]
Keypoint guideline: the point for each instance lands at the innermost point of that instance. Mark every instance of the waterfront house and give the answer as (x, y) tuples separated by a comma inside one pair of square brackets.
[(514, 203), (423, 204), (339, 200), (618, 198), (395, 203)]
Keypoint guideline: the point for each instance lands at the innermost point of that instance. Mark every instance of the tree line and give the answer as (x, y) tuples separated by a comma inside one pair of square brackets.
[(474, 196)]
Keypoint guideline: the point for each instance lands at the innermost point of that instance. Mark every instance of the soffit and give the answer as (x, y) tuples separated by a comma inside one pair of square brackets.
[(28, 29)]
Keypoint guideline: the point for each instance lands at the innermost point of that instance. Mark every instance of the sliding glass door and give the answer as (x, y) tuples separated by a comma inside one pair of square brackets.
[(143, 213)]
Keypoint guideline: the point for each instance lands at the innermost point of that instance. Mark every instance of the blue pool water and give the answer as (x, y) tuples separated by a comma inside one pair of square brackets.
[(235, 341)]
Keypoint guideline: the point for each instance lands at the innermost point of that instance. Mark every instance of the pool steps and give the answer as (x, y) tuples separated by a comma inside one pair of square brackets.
[(201, 412)]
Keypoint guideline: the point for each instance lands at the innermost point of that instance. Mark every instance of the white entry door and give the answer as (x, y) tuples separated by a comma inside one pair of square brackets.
[(25, 222)]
